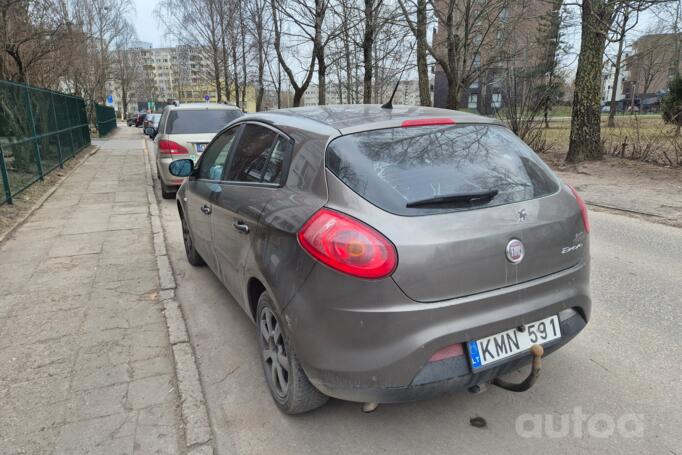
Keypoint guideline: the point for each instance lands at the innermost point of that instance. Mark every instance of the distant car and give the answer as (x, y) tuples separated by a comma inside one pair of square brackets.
[(139, 120), (131, 119), (606, 108), (183, 132), (151, 120), (633, 109), (387, 255)]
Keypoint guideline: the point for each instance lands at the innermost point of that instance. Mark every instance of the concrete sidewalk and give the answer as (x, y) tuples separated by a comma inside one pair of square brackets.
[(85, 361)]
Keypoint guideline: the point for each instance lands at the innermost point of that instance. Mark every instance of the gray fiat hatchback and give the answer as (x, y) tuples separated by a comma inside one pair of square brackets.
[(387, 255)]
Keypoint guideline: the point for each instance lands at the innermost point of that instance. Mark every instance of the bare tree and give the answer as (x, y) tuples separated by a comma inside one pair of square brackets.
[(196, 23), (648, 63), (259, 25), (597, 19), (669, 15), (127, 67), (299, 28), (31, 34), (624, 22), (419, 29), (468, 36)]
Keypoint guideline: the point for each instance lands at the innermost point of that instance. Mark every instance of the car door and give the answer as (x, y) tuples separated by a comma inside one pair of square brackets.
[(253, 176), (200, 190)]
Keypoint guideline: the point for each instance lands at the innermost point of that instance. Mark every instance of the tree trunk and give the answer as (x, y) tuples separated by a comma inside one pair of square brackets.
[(321, 78), (242, 35), (453, 93), (616, 77), (585, 139), (367, 48), (236, 75), (216, 72), (422, 66), (226, 61)]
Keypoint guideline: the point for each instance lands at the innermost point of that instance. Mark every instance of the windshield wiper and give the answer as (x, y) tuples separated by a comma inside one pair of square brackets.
[(470, 198)]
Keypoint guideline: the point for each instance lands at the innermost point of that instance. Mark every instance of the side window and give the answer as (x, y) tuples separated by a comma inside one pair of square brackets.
[(214, 158), (273, 170), (251, 154)]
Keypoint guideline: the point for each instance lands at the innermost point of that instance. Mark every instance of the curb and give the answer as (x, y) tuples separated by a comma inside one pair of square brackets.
[(621, 209), (197, 429), (44, 197)]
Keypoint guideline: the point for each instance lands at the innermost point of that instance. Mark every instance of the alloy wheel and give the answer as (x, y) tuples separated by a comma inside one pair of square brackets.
[(186, 237), (274, 353)]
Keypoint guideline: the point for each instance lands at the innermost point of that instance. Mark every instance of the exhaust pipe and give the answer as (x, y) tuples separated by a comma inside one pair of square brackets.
[(527, 383)]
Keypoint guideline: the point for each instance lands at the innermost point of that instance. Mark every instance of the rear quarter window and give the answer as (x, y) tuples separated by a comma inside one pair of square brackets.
[(394, 167)]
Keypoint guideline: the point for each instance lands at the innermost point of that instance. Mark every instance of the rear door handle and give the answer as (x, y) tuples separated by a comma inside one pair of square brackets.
[(241, 227), (206, 209)]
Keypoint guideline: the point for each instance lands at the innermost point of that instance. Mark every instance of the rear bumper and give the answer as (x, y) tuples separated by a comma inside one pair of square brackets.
[(167, 178), (455, 374), (377, 350)]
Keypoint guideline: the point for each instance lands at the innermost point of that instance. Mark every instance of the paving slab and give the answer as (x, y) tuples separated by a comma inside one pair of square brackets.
[(87, 365)]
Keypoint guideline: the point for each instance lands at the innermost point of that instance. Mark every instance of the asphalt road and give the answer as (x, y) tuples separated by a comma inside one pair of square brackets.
[(616, 388)]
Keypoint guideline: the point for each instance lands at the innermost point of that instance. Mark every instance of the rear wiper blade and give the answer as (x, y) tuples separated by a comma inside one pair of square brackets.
[(474, 197)]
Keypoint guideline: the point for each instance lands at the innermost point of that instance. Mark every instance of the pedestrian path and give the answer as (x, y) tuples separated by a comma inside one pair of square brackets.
[(85, 361)]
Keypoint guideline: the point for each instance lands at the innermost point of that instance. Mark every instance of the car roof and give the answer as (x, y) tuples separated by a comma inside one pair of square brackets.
[(199, 106), (351, 118)]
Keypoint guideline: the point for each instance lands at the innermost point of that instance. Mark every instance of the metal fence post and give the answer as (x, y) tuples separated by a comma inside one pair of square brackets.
[(35, 134), (5, 177), (56, 127)]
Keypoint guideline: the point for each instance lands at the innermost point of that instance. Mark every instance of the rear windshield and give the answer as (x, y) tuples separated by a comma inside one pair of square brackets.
[(199, 121), (396, 167)]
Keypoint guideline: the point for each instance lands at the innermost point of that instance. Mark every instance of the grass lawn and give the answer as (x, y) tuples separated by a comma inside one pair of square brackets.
[(646, 138)]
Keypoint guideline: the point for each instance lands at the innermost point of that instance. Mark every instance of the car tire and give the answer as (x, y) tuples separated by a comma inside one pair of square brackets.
[(193, 256), (292, 391)]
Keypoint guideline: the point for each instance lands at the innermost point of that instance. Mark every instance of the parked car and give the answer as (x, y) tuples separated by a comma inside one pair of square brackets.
[(131, 119), (151, 121), (387, 255), (139, 120), (183, 132)]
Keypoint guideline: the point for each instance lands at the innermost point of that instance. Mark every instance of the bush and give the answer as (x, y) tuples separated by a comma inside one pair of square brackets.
[(671, 104)]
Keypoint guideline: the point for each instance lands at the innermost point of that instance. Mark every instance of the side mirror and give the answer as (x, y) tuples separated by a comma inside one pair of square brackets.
[(149, 131), (181, 168)]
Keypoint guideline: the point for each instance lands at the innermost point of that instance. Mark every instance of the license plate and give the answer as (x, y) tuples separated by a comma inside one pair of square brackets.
[(508, 343), (200, 147)]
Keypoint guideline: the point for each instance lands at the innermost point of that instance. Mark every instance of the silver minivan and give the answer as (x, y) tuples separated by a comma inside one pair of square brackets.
[(183, 133)]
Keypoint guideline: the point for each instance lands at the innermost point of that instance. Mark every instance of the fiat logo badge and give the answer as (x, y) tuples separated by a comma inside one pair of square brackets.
[(515, 251)]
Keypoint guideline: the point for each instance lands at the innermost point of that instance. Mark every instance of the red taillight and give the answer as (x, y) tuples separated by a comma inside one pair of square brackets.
[(171, 148), (583, 209), (348, 245), (428, 122), (448, 352)]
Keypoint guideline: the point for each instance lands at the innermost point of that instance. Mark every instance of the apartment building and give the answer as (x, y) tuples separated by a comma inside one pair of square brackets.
[(504, 36), (164, 75), (609, 80), (654, 60), (178, 73)]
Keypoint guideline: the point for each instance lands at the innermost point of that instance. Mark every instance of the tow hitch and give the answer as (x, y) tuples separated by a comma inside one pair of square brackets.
[(527, 383)]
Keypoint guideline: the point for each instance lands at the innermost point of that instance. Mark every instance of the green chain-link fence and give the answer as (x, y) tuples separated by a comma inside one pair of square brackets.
[(39, 130), (106, 119)]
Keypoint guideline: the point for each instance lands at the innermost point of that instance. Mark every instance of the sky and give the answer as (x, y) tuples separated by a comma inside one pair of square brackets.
[(150, 30), (146, 24)]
